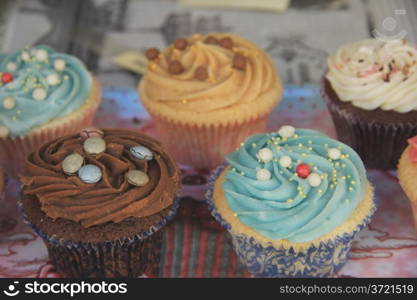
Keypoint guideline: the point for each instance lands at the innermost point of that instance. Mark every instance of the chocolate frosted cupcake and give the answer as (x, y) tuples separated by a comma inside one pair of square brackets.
[(2, 184), (293, 201), (371, 92), (99, 200), (207, 93)]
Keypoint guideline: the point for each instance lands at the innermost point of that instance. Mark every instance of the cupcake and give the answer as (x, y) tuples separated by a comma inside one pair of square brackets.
[(99, 200), (207, 93), (292, 201), (371, 91), (407, 174), (2, 184), (43, 95)]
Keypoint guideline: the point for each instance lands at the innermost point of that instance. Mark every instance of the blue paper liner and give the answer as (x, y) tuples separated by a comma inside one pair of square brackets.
[(268, 261), (127, 257)]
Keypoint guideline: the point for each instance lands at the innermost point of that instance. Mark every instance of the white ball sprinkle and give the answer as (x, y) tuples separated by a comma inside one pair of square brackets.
[(11, 66), (25, 56), (9, 102), (314, 179), (4, 131), (52, 79), (263, 175), (39, 94), (334, 153), (41, 55), (286, 131), (59, 65), (265, 155), (285, 161)]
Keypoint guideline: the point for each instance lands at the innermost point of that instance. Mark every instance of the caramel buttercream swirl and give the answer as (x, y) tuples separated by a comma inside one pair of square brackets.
[(112, 199), (225, 85)]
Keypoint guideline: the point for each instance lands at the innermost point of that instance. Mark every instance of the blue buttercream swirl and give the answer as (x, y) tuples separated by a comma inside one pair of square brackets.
[(30, 72), (287, 206)]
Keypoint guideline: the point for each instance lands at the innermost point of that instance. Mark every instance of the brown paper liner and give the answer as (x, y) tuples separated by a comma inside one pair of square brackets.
[(108, 260), (378, 144), (14, 150), (205, 147)]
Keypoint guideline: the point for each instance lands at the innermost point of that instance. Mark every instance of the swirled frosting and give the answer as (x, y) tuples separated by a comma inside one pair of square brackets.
[(113, 198), (227, 83), (285, 205), (375, 74), (45, 85)]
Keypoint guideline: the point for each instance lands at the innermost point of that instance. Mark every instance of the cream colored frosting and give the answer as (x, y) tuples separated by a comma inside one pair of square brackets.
[(375, 74), (226, 88)]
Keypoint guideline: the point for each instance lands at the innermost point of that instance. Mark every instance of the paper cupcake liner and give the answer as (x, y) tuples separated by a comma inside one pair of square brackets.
[(205, 147), (127, 257), (16, 149), (266, 260), (379, 145), (407, 171)]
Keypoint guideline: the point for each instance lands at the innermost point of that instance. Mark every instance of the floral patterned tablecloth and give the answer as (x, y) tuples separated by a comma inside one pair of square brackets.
[(194, 245)]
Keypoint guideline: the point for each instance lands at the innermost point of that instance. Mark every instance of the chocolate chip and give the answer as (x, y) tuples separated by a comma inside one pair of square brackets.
[(226, 43), (181, 44), (152, 53), (211, 40), (201, 73), (175, 67), (239, 62)]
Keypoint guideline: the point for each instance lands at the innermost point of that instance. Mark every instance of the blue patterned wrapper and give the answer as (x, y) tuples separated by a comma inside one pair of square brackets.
[(262, 260), (128, 257)]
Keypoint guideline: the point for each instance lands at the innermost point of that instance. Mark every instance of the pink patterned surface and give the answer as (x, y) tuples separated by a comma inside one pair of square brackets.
[(387, 248)]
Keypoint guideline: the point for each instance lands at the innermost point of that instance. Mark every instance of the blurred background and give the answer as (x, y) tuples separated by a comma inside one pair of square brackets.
[(297, 33)]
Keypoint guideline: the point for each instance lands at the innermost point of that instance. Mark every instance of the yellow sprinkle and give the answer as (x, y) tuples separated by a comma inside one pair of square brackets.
[(242, 144), (343, 177), (326, 145), (295, 136), (347, 201), (353, 182), (303, 154), (253, 145), (300, 145), (320, 191), (235, 215), (310, 148), (290, 200), (350, 188)]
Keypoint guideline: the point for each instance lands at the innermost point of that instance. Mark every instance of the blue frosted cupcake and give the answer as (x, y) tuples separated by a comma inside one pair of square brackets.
[(292, 200), (44, 94)]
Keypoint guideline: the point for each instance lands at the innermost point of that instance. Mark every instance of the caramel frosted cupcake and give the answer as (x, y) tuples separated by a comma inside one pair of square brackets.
[(407, 174), (43, 95), (99, 200), (207, 93), (371, 92)]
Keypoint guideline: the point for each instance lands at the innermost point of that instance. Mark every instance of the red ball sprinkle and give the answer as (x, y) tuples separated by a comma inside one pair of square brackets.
[(303, 170), (6, 77)]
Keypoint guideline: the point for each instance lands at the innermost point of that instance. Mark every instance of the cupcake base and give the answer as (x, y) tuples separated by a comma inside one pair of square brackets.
[(371, 133), (407, 173), (205, 146), (126, 249), (264, 257)]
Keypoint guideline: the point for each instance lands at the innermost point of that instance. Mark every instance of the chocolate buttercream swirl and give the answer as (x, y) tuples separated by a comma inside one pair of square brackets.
[(112, 199)]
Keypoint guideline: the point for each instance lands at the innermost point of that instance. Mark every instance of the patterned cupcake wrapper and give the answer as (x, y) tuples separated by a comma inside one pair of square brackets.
[(128, 257), (205, 147), (370, 139), (16, 149), (322, 260)]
